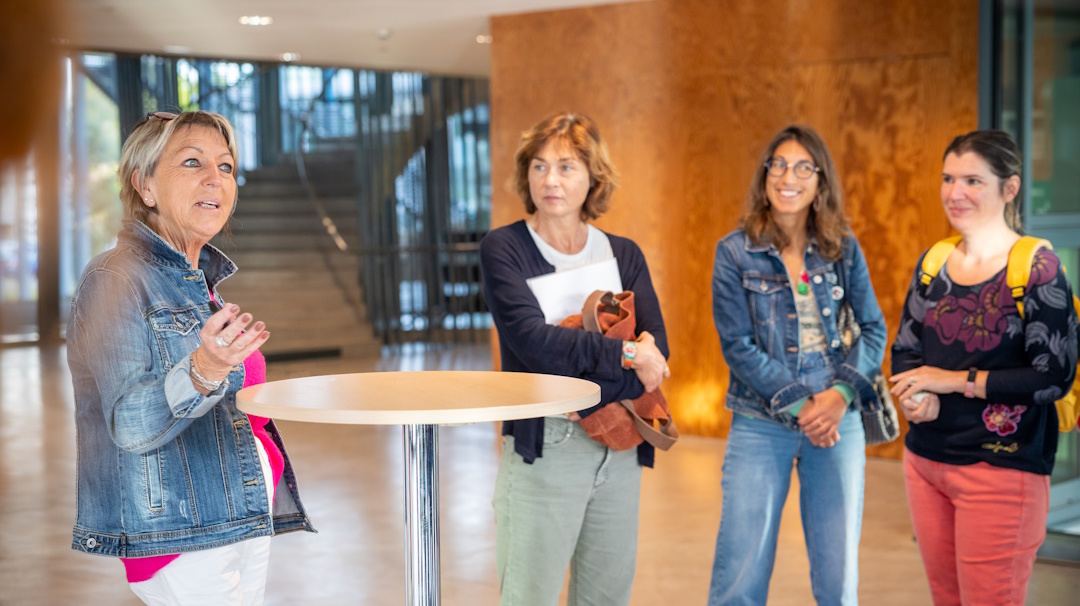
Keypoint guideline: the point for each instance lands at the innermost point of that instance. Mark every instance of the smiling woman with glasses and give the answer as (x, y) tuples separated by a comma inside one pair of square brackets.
[(172, 478), (778, 284)]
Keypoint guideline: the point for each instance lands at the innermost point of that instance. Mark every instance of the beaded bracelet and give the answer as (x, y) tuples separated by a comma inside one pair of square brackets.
[(201, 381)]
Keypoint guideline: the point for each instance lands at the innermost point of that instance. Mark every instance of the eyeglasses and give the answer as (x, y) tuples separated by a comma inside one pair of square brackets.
[(805, 169), (163, 116)]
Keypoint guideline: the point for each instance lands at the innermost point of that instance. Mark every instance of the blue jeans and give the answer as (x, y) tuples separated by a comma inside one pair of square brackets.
[(576, 506), (756, 477)]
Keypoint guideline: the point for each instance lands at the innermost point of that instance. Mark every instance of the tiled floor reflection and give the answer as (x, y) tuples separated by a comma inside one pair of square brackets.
[(351, 481)]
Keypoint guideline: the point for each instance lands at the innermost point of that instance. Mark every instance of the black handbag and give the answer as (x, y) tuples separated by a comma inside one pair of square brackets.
[(879, 418)]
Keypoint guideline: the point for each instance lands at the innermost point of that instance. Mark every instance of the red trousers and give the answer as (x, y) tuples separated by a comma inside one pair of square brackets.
[(978, 528)]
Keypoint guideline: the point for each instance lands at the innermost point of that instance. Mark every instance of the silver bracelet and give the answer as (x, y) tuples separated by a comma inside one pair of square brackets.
[(201, 381)]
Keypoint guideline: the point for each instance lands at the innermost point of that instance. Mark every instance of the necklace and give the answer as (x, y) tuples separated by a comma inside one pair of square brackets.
[(803, 286)]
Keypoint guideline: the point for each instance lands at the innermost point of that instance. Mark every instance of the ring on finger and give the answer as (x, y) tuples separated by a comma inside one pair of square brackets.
[(911, 381), (221, 342), (821, 422)]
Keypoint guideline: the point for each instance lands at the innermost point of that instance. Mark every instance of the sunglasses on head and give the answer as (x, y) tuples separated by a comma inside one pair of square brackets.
[(163, 116)]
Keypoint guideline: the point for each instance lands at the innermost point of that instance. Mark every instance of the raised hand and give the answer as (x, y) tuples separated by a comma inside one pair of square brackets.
[(227, 341)]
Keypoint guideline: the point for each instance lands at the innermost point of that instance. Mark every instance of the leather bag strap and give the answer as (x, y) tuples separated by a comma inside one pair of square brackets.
[(663, 438), (590, 312)]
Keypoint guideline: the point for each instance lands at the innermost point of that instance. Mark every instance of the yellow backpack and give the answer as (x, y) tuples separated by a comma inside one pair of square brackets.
[(1017, 274)]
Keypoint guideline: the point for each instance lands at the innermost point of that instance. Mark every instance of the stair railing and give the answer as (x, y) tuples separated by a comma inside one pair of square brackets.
[(305, 128)]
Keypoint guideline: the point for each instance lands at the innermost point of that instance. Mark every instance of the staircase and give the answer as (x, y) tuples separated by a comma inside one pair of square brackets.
[(291, 275)]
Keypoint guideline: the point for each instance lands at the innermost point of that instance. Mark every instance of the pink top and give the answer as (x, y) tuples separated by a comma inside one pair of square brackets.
[(142, 569)]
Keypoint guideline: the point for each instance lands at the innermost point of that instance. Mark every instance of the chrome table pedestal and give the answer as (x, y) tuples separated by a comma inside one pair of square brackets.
[(421, 515)]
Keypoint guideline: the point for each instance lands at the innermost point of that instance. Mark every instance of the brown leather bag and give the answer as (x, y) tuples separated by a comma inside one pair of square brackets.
[(623, 425)]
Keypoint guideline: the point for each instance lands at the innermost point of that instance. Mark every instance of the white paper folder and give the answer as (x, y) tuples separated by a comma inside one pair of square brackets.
[(561, 294)]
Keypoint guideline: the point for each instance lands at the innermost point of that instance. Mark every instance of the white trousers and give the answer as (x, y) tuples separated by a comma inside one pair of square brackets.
[(234, 575)]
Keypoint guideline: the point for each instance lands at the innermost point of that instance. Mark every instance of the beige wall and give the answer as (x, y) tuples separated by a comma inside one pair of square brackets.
[(688, 93)]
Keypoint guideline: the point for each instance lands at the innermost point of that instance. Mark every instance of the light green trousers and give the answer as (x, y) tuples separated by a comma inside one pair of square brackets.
[(576, 506)]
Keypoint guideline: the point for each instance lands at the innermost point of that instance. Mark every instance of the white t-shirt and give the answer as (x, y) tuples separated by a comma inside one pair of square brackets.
[(597, 248)]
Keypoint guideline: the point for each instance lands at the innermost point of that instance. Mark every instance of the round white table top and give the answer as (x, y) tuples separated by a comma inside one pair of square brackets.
[(418, 398)]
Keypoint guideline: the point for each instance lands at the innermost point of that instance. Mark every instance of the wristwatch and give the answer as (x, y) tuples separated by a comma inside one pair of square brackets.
[(629, 352), (969, 386)]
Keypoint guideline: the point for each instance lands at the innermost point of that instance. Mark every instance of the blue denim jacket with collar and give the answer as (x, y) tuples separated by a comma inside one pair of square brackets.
[(754, 311), (161, 468)]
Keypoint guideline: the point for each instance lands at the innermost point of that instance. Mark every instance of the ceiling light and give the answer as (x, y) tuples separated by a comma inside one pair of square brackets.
[(289, 57), (256, 20), (483, 39), (384, 34), (175, 49)]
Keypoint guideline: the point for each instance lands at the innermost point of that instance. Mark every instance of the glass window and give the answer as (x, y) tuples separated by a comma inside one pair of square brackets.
[(1041, 105), (417, 173), (1036, 65), (1055, 111), (18, 251), (90, 210)]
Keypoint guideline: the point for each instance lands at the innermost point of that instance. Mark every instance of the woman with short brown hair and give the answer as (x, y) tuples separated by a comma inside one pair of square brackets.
[(562, 498)]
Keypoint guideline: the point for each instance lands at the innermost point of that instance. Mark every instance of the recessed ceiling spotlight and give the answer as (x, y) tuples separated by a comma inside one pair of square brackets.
[(483, 39), (256, 20), (289, 57), (175, 49), (384, 34)]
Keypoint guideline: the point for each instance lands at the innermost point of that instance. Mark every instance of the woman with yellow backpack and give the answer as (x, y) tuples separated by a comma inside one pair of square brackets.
[(977, 369)]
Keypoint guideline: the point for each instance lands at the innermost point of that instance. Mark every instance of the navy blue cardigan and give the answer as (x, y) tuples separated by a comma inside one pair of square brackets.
[(508, 257)]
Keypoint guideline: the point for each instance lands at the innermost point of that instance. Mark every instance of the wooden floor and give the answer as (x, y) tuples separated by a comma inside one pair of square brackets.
[(350, 479)]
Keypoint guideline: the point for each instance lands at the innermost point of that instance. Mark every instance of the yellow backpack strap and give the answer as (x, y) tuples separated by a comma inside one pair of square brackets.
[(1018, 272), (935, 258)]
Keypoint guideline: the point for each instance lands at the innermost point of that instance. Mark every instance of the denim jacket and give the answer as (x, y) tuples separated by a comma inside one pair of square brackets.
[(161, 468), (754, 311)]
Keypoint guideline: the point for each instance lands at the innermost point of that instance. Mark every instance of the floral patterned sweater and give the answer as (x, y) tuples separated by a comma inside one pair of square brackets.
[(1031, 363)]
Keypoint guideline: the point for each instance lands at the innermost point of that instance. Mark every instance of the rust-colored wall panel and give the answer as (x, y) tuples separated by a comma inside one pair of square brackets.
[(688, 93), (736, 33)]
